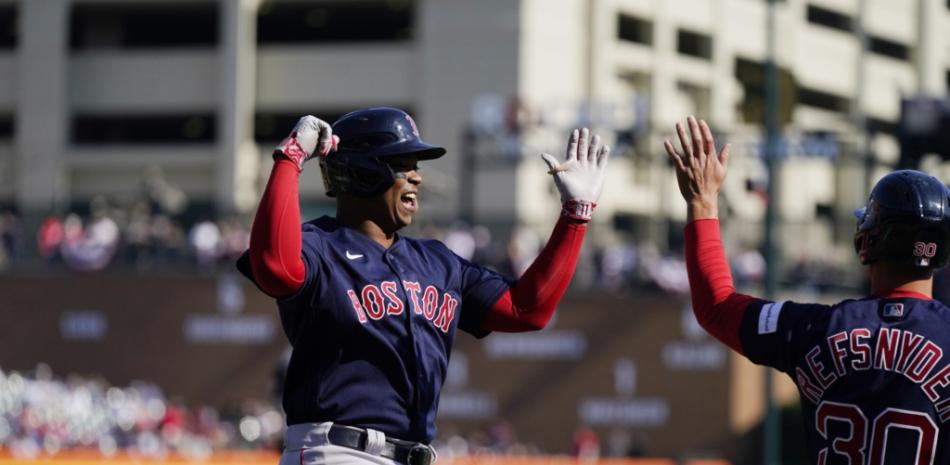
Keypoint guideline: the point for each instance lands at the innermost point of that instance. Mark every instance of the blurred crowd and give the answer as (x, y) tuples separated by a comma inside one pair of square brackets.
[(40, 414), (601, 267), (43, 415), (154, 228), (134, 237), (500, 439), (627, 265), (143, 238), (10, 231)]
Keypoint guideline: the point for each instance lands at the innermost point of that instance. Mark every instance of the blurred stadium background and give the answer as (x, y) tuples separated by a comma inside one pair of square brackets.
[(135, 139)]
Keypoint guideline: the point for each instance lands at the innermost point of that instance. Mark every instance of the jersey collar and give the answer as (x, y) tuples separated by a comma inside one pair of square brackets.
[(899, 294), (358, 238)]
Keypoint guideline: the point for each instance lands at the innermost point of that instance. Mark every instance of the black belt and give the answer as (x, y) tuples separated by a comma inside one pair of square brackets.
[(407, 452)]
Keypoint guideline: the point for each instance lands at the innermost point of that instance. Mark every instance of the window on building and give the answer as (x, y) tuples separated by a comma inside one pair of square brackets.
[(888, 48), (751, 76), (829, 18), (823, 100), (947, 77), (144, 25), (6, 127), (272, 127), (694, 44), (143, 129), (637, 88), (633, 29), (637, 82), (697, 95), (877, 125), (8, 26), (633, 225), (332, 21)]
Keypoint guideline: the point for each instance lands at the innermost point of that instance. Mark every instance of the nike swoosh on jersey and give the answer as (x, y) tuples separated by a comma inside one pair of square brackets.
[(353, 256)]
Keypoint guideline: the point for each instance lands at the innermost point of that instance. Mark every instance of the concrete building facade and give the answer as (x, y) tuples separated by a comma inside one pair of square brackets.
[(95, 94)]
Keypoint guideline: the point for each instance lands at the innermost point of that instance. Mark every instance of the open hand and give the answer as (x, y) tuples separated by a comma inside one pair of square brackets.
[(580, 178), (700, 171)]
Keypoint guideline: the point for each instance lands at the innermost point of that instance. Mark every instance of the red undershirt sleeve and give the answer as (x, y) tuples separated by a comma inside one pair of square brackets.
[(529, 303), (276, 244), (717, 305)]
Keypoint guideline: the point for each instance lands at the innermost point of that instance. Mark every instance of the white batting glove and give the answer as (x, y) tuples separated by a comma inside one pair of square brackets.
[(580, 178), (311, 136)]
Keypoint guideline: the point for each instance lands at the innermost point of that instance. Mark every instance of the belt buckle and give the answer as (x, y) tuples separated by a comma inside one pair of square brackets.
[(419, 454)]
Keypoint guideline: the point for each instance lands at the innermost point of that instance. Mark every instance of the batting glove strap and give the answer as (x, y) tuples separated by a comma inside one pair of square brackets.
[(582, 210), (290, 149)]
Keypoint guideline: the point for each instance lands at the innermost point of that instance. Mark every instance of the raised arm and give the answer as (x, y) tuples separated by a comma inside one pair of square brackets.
[(529, 304), (276, 244), (700, 172)]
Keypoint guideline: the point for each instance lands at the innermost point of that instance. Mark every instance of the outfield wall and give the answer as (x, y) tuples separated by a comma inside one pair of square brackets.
[(635, 367)]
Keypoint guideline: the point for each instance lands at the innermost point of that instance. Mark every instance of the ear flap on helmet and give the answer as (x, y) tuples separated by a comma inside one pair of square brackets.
[(929, 247), (862, 246), (353, 175)]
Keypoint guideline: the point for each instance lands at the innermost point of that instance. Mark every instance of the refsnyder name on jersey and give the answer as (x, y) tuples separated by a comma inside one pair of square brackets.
[(891, 349)]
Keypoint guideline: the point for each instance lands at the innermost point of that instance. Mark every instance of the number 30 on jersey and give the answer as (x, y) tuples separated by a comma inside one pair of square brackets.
[(873, 442)]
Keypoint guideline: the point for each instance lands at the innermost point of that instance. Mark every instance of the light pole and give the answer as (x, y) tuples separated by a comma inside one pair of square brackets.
[(772, 443)]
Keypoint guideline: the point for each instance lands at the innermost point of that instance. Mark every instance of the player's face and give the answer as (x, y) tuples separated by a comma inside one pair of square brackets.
[(402, 199)]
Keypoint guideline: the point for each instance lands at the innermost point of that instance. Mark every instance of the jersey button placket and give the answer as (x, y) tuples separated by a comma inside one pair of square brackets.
[(397, 269)]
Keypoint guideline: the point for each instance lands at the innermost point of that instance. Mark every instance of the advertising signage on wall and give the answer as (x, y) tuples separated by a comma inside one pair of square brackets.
[(624, 363), (228, 325), (211, 339)]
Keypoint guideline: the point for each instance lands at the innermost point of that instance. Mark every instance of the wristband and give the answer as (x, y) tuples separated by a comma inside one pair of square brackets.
[(578, 209), (290, 149)]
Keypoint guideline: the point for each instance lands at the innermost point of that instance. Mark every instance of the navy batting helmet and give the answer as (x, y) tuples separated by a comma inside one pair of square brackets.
[(906, 219), (367, 138)]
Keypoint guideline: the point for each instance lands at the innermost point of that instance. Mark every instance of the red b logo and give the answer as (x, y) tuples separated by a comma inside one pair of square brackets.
[(415, 129)]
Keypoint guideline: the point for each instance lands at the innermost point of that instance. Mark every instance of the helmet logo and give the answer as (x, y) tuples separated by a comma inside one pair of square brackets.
[(415, 129), (922, 249)]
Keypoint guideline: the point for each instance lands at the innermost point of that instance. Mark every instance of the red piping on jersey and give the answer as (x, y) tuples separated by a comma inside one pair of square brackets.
[(717, 305), (901, 294), (276, 239), (529, 304)]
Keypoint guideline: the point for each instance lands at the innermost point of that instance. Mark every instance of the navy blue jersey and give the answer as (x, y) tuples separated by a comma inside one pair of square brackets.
[(872, 375), (372, 328)]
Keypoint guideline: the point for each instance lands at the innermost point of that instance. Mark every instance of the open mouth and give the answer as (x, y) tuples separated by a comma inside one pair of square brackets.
[(409, 201)]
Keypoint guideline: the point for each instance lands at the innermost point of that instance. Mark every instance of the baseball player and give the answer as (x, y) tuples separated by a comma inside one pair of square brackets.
[(371, 314), (871, 372)]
